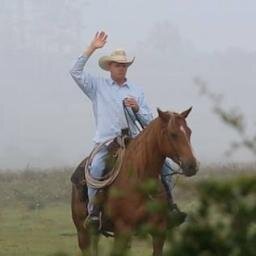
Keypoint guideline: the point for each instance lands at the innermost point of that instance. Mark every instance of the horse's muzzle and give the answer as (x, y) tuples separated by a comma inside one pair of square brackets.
[(190, 168)]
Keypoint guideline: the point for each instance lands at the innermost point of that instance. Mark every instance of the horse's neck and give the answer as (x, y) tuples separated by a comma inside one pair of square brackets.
[(146, 145)]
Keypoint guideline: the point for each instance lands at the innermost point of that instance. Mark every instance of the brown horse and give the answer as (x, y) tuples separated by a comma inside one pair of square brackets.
[(166, 136)]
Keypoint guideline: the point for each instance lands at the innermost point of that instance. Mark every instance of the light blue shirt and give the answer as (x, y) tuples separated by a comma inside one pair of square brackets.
[(107, 101)]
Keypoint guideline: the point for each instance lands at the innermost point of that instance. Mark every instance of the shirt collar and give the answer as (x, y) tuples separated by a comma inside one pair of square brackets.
[(126, 83)]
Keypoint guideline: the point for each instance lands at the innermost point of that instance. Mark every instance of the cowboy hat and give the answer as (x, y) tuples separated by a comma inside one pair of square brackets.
[(118, 55)]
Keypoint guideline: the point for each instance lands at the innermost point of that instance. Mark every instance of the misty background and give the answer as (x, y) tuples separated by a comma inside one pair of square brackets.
[(47, 121)]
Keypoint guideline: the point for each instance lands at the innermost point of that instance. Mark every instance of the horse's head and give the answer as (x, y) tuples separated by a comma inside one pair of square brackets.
[(175, 140)]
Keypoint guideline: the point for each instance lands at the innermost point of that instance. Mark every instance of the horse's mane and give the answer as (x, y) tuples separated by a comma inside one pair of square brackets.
[(143, 151), (142, 137)]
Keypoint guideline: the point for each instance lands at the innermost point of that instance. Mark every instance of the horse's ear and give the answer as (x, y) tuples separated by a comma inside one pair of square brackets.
[(165, 116), (185, 113)]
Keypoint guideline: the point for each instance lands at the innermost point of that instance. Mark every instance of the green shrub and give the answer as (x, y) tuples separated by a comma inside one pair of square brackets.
[(224, 223)]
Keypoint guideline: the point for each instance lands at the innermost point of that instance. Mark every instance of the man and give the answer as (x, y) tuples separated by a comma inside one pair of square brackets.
[(108, 96)]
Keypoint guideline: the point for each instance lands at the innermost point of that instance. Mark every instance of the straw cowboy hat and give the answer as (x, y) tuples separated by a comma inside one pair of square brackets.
[(118, 55)]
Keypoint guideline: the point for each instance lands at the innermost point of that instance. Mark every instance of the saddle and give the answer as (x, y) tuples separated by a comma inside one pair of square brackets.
[(78, 176)]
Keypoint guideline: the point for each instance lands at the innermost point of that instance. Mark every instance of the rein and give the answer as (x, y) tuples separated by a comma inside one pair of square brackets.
[(134, 117), (139, 125)]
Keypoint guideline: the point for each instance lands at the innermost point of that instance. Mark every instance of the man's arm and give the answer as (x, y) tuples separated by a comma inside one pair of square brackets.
[(84, 80), (144, 113)]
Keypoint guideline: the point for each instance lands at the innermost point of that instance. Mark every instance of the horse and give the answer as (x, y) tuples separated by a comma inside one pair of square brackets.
[(166, 136)]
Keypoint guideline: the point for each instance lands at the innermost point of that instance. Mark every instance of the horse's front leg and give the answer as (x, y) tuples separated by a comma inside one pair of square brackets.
[(94, 244), (158, 244), (122, 240), (122, 244)]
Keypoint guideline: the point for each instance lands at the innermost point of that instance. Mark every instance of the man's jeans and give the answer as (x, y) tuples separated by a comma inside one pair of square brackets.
[(98, 165)]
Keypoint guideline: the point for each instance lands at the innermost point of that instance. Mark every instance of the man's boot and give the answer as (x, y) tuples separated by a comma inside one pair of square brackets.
[(93, 219), (177, 217)]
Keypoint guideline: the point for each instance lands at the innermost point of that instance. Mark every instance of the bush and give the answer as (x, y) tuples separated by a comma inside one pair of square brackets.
[(224, 223)]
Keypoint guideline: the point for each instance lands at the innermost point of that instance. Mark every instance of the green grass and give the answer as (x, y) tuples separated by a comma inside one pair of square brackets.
[(48, 232), (36, 232)]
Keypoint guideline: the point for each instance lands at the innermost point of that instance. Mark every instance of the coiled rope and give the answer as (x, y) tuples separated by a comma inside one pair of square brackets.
[(108, 178)]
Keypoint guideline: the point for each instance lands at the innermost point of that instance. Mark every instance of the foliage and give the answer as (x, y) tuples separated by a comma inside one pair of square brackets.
[(232, 118), (224, 222)]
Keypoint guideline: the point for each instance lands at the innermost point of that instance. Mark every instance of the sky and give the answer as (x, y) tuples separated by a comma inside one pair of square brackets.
[(46, 120)]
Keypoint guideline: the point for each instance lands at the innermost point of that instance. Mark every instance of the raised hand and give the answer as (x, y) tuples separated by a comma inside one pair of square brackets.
[(99, 40)]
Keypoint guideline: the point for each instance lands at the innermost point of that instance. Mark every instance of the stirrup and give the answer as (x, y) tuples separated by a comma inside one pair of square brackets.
[(92, 222), (177, 217)]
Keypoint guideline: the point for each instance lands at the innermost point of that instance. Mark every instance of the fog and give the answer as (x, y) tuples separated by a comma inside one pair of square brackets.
[(46, 120)]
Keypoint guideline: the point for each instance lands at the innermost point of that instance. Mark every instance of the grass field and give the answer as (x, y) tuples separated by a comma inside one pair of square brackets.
[(35, 216), (47, 231)]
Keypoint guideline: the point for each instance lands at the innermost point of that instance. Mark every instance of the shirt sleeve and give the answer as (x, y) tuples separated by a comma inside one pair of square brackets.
[(86, 82), (144, 114)]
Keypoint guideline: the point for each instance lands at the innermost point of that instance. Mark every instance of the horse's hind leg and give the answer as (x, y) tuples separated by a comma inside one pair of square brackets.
[(158, 244), (83, 242), (88, 243), (79, 214)]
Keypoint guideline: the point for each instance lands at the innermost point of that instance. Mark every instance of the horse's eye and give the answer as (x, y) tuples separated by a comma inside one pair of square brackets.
[(174, 135)]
